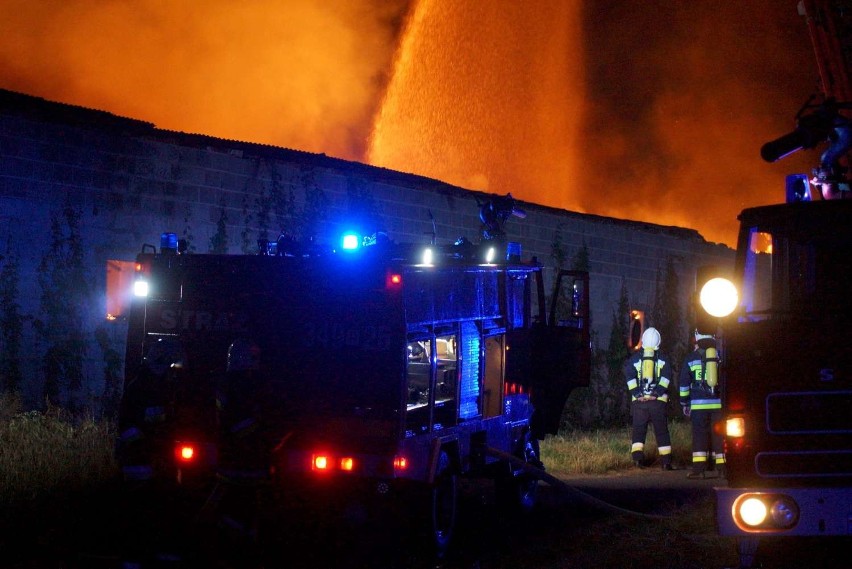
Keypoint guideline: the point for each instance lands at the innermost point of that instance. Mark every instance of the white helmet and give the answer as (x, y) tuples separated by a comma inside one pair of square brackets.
[(651, 339), (700, 336)]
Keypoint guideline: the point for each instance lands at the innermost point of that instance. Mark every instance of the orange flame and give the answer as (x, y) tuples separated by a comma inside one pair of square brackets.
[(488, 96)]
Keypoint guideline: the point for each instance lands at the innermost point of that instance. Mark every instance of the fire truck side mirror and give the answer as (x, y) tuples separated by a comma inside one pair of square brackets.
[(635, 329)]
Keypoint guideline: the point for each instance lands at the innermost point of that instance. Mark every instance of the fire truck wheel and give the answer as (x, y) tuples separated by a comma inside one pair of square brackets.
[(443, 502), (518, 493), (517, 490)]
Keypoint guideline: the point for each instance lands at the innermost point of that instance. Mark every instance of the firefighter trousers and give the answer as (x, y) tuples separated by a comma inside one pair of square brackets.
[(653, 412), (707, 444)]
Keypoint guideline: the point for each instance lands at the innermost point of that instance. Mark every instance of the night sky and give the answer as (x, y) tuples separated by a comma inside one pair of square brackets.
[(649, 110)]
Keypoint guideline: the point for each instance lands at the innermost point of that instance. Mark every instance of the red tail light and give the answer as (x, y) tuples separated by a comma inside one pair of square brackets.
[(186, 453), (393, 280), (327, 463), (320, 462), (400, 464), (513, 389)]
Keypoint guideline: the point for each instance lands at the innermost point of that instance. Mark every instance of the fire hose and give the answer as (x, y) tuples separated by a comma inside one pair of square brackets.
[(582, 497)]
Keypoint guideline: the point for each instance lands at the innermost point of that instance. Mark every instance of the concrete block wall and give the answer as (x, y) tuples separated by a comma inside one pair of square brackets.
[(130, 181)]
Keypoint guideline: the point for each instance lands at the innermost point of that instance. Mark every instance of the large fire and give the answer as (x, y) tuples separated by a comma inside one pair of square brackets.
[(489, 96), (652, 111)]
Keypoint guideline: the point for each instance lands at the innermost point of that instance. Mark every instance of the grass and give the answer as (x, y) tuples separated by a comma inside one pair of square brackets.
[(44, 453), (608, 450), (50, 454)]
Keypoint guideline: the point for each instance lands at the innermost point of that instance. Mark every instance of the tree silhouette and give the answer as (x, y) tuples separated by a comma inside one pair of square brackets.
[(219, 241), (11, 327), (668, 317), (64, 304)]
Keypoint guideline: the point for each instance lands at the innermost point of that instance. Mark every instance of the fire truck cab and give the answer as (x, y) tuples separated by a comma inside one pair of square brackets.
[(786, 379), (372, 366)]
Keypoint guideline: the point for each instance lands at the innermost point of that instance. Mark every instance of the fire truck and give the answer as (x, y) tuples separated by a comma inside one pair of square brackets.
[(386, 370), (783, 323)]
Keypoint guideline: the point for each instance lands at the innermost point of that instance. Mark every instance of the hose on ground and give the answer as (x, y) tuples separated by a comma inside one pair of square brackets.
[(576, 493)]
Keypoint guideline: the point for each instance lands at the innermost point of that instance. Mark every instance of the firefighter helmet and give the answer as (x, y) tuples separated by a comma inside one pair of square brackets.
[(651, 338), (700, 336)]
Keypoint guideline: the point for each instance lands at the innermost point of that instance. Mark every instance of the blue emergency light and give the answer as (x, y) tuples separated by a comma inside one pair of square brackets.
[(168, 241), (350, 241), (798, 188), (513, 252)]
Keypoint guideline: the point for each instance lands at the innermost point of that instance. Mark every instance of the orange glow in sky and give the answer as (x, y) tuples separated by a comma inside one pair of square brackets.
[(652, 111)]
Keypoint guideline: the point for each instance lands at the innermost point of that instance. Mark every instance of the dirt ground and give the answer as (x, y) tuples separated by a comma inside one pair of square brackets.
[(633, 519)]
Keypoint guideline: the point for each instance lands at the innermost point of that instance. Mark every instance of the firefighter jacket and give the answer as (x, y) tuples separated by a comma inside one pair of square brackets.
[(693, 388), (656, 386)]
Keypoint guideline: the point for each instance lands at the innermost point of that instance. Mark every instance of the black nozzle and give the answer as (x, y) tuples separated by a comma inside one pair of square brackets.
[(777, 149)]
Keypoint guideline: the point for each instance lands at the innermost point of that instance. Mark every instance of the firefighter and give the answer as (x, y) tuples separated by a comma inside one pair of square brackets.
[(255, 418), (244, 402), (241, 403), (700, 399), (152, 526), (647, 375), (144, 444)]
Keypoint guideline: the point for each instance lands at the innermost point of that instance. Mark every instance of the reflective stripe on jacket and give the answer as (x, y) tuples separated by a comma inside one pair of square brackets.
[(657, 387), (692, 388)]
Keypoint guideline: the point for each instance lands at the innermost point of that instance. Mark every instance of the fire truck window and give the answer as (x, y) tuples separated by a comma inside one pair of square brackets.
[(757, 275), (517, 294), (417, 352), (819, 272), (493, 376), (446, 381), (419, 373)]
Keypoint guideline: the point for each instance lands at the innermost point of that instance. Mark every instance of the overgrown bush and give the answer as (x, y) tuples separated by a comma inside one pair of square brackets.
[(51, 452), (46, 452)]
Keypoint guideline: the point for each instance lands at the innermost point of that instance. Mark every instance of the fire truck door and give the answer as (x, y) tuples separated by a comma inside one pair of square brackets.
[(561, 350)]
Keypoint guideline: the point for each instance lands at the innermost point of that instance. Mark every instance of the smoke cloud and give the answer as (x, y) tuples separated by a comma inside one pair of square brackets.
[(304, 74), (681, 97), (652, 110)]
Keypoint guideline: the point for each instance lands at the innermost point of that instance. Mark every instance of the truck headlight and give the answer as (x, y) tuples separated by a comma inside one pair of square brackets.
[(140, 288), (752, 512), (718, 297), (758, 512)]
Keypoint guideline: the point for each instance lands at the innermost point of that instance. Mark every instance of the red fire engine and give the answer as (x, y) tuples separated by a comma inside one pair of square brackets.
[(388, 370)]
